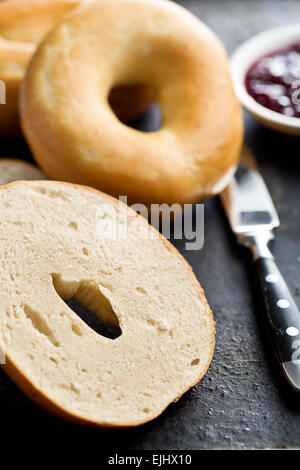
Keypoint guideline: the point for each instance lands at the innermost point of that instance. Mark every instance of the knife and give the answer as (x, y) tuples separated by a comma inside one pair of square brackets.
[(252, 217)]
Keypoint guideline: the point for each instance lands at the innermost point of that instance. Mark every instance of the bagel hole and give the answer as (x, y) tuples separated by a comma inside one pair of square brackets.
[(149, 121), (91, 305), (136, 107), (104, 329)]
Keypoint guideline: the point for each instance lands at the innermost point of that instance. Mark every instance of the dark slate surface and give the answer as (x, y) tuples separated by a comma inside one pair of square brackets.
[(242, 402)]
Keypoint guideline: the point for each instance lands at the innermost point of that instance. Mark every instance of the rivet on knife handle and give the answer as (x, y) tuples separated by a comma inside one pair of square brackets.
[(281, 313)]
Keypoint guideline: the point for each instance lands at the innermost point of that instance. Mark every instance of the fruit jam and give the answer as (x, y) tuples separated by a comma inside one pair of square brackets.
[(274, 81)]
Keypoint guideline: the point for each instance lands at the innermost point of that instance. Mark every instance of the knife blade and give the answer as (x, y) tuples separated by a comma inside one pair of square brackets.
[(253, 217)]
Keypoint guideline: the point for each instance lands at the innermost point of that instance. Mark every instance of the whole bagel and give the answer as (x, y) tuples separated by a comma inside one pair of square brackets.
[(23, 24), (73, 132)]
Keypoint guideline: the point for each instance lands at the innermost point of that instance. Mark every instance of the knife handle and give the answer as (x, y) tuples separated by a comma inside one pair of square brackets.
[(282, 318)]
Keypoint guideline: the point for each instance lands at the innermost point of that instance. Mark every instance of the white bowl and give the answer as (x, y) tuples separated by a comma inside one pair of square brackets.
[(245, 56)]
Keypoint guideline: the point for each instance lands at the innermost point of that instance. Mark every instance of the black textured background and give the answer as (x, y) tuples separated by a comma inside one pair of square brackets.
[(242, 402)]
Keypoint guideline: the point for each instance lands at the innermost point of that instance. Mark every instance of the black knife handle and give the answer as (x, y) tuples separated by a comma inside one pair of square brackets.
[(282, 318)]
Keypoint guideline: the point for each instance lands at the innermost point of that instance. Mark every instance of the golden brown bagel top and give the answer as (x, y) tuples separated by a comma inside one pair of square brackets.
[(75, 136), (29, 20), (23, 24)]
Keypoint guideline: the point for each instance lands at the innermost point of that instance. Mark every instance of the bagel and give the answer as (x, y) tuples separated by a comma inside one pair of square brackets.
[(23, 24), (57, 242), (75, 136), (12, 169)]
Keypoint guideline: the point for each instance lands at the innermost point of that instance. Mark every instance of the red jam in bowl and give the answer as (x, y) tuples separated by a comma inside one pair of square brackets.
[(274, 81)]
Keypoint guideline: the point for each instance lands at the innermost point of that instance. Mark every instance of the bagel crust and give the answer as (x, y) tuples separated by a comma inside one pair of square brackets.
[(23, 24), (12, 169), (75, 136), (56, 243)]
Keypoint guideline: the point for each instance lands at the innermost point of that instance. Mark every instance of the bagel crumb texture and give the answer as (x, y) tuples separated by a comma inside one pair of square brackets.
[(138, 283)]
